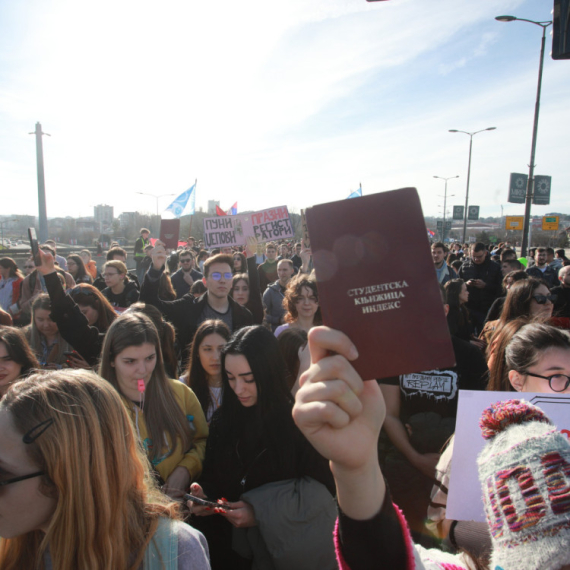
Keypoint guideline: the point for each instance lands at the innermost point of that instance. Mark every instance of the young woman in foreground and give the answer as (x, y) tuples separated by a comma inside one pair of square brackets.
[(16, 358), (76, 491), (341, 416)]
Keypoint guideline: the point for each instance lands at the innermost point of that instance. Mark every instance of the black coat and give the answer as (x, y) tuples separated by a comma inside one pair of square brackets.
[(480, 300), (185, 312)]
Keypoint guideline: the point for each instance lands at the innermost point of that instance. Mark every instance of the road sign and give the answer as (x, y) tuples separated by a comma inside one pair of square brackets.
[(458, 212), (473, 213), (541, 194), (514, 222), (550, 223), (517, 188)]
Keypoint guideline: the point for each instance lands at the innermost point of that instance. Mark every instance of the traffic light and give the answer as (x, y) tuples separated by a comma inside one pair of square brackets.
[(561, 30)]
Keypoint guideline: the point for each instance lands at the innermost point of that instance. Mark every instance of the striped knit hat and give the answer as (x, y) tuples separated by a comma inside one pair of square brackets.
[(525, 477)]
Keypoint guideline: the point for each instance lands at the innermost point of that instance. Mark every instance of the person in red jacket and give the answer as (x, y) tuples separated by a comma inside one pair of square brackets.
[(10, 282)]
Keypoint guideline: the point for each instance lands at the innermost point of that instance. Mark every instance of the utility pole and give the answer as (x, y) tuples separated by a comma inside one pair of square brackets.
[(41, 183)]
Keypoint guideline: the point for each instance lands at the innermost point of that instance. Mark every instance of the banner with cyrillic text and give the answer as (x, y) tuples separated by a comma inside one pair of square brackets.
[(266, 225)]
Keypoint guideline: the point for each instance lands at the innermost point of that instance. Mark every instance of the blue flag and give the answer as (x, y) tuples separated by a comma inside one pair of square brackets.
[(355, 194), (183, 204)]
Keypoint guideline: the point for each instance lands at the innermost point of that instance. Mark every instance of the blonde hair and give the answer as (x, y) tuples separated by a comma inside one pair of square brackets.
[(118, 265), (107, 503)]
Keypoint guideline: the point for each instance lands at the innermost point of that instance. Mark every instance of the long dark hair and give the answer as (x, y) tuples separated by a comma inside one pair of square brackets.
[(9, 263), (161, 408), (85, 294), (18, 349), (81, 275), (519, 299), (243, 259), (165, 332), (458, 315), (272, 413), (195, 372)]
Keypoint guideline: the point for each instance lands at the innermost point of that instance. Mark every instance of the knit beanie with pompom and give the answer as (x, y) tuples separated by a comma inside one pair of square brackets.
[(524, 471)]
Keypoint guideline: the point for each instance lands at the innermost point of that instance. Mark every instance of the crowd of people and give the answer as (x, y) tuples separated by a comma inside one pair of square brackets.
[(193, 412)]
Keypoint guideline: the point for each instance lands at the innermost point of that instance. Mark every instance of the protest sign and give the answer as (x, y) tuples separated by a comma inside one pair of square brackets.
[(266, 225), (464, 501), (306, 239)]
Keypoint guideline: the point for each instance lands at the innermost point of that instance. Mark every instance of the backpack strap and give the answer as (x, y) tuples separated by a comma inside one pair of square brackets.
[(162, 550)]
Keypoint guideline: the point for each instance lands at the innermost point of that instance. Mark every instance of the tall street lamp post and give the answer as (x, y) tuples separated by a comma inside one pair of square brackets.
[(471, 135), (156, 197), (530, 183), (445, 201)]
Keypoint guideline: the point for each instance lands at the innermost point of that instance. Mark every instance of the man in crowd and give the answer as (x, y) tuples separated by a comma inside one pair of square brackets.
[(508, 254), (555, 262), (562, 292), (275, 293), (508, 265), (444, 272), (483, 278), (140, 244), (61, 261), (541, 269), (296, 259), (187, 313), (183, 279), (268, 269), (117, 254)]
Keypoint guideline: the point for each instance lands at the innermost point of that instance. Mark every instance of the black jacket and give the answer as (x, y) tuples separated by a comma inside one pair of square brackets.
[(72, 323), (480, 300), (562, 305), (184, 313)]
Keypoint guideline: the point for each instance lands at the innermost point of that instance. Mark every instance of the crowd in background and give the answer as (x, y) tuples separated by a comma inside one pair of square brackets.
[(186, 370)]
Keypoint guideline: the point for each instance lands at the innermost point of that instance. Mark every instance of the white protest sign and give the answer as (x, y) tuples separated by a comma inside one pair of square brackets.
[(266, 225), (464, 502)]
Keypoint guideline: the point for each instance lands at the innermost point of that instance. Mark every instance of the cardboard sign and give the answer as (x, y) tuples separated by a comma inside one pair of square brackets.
[(305, 229), (266, 225), (464, 502), (169, 231)]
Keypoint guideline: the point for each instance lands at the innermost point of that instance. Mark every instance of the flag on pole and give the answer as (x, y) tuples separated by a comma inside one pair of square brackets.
[(233, 210), (219, 211), (356, 193), (184, 204)]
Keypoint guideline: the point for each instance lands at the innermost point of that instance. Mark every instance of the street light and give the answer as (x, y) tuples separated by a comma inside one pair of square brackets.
[(530, 183), (471, 135), (156, 197), (445, 200)]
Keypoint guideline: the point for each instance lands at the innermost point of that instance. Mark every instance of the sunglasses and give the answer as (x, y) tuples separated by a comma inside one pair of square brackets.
[(541, 299), (78, 290), (216, 276)]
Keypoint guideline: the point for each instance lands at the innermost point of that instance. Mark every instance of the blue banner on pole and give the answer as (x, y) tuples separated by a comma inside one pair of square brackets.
[(184, 204)]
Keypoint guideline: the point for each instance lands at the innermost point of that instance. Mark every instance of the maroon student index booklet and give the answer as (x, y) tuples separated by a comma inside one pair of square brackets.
[(377, 282)]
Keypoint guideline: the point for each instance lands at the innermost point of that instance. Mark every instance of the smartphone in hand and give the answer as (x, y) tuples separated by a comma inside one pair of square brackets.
[(34, 245)]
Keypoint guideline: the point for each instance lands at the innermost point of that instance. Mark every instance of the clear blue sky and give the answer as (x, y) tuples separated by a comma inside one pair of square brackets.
[(275, 102)]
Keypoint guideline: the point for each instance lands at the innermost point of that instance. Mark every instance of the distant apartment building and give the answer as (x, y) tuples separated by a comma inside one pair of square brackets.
[(103, 215), (212, 206)]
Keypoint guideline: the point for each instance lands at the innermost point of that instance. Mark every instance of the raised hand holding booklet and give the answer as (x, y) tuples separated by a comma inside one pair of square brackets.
[(377, 282)]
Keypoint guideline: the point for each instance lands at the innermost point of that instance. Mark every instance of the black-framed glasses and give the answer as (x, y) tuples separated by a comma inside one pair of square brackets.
[(21, 478), (216, 276), (541, 299), (557, 382)]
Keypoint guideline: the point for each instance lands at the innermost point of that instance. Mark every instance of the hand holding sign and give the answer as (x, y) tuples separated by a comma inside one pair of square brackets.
[(158, 255)]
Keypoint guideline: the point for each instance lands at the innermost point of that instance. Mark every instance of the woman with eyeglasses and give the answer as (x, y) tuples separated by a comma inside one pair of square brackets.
[(272, 483), (11, 279), (76, 268), (528, 298), (75, 487), (167, 416), (17, 359), (302, 305)]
